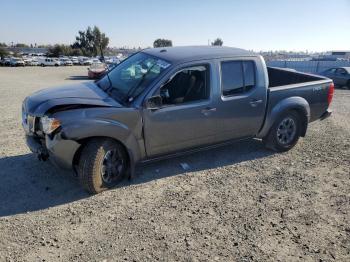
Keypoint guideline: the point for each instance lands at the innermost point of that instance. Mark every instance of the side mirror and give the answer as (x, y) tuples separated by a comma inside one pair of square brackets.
[(154, 102)]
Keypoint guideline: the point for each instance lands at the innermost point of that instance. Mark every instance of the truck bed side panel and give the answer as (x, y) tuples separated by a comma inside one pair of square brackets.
[(310, 97), (315, 93)]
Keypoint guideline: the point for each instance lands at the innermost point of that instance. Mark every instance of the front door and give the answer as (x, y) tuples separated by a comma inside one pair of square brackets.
[(187, 118)]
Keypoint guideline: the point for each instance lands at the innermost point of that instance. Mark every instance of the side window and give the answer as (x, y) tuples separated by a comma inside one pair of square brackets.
[(249, 75), (341, 71), (237, 77), (188, 85)]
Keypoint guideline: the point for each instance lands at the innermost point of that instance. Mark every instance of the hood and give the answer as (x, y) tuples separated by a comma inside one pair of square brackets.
[(79, 95)]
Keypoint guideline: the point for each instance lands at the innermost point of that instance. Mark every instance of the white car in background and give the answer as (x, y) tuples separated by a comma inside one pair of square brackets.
[(47, 61), (86, 61), (30, 61), (27, 61), (75, 61), (34, 62), (96, 61), (15, 61), (66, 61), (113, 60)]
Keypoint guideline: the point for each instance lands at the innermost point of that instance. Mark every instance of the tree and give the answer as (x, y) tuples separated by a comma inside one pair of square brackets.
[(100, 41), (162, 43), (76, 52), (91, 41), (66, 50), (3, 52), (3, 45), (218, 42), (55, 51), (21, 45)]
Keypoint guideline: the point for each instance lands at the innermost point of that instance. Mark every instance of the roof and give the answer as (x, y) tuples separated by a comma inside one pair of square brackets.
[(184, 54)]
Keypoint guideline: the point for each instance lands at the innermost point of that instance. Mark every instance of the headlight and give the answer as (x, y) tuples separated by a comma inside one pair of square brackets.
[(49, 124)]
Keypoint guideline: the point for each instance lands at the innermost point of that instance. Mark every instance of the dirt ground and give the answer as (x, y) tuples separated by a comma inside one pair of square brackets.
[(236, 203)]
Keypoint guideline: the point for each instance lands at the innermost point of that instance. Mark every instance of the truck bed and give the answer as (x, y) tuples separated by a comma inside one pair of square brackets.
[(282, 77), (284, 83)]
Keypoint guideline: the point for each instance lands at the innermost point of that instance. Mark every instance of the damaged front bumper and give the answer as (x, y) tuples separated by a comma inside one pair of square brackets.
[(58, 150)]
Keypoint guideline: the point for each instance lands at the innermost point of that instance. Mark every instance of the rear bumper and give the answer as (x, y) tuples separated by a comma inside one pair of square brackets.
[(59, 151), (326, 114)]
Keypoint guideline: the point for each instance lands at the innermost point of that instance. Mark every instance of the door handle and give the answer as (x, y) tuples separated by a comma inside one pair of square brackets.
[(255, 102), (207, 110)]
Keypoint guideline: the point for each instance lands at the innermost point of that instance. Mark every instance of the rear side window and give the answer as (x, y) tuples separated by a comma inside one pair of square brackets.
[(237, 77), (341, 71)]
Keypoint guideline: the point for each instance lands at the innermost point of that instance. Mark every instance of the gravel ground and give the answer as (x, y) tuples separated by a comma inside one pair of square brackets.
[(236, 203)]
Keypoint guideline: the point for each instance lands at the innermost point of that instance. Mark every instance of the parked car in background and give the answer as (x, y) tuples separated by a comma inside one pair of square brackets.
[(5, 61), (66, 62), (86, 61), (34, 62), (15, 61), (164, 102), (46, 61), (96, 61), (27, 61), (75, 61), (97, 70), (339, 75), (113, 60)]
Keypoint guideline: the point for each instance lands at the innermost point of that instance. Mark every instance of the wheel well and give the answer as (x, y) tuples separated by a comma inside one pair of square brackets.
[(304, 120), (83, 142)]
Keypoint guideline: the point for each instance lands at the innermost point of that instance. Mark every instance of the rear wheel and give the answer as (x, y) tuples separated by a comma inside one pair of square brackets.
[(285, 133), (103, 164)]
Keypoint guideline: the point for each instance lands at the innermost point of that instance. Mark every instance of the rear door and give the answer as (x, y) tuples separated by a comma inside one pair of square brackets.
[(243, 96)]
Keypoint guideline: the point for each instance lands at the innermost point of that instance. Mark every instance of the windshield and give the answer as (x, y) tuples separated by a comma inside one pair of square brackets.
[(131, 77)]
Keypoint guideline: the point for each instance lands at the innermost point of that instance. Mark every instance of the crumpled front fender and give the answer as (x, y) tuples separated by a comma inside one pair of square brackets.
[(88, 128)]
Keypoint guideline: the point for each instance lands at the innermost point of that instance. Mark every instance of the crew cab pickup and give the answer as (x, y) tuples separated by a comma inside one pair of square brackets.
[(163, 102)]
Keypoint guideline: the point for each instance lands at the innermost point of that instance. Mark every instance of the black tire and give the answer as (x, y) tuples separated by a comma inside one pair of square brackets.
[(348, 84), (277, 140), (92, 167)]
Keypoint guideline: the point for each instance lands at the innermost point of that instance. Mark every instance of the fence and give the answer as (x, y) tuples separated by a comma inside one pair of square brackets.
[(309, 66)]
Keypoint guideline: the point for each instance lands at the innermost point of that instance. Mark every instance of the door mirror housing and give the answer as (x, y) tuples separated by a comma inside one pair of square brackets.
[(154, 102)]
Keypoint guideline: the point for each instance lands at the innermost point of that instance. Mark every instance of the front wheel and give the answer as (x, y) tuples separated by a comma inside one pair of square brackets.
[(348, 84), (103, 164), (285, 133)]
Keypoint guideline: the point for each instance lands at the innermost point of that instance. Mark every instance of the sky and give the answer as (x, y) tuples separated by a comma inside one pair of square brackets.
[(295, 25)]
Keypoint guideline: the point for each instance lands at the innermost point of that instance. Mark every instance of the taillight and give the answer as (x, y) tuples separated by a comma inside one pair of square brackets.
[(330, 93)]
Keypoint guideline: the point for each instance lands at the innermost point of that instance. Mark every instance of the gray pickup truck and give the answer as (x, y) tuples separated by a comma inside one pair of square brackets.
[(163, 102)]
